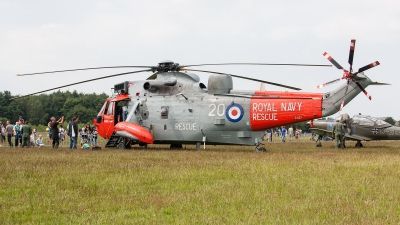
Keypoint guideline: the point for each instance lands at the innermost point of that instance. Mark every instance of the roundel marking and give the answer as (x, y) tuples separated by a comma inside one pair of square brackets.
[(234, 112)]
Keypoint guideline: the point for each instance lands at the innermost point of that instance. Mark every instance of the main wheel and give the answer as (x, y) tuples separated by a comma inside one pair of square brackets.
[(262, 149), (121, 145), (127, 144)]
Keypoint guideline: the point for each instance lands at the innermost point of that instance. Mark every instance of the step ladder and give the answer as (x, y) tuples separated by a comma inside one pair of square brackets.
[(113, 141)]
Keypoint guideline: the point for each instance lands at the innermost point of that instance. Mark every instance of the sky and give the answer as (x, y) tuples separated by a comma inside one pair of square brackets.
[(38, 36)]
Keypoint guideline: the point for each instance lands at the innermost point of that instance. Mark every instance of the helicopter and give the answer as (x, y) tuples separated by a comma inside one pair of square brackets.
[(174, 107), (359, 128)]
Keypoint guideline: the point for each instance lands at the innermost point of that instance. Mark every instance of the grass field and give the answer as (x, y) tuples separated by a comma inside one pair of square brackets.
[(292, 183)]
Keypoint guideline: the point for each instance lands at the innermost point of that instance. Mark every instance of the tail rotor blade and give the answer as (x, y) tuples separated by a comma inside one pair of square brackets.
[(363, 90), (328, 83), (351, 53), (369, 66), (344, 96), (337, 65)]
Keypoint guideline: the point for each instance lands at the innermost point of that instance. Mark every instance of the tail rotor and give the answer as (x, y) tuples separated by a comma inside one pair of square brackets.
[(348, 74)]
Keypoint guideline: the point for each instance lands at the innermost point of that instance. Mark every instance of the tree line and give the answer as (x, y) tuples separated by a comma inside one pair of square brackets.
[(39, 108)]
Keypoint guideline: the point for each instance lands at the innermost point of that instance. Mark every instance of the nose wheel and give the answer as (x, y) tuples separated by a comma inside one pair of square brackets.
[(124, 144), (258, 148)]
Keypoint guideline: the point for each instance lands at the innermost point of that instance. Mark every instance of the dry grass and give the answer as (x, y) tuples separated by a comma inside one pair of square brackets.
[(293, 183)]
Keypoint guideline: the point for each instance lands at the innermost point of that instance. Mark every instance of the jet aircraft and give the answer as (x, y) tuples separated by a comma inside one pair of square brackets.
[(359, 128)]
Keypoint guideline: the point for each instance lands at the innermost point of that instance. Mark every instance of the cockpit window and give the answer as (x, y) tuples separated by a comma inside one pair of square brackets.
[(102, 109), (381, 122), (363, 120), (110, 108), (367, 120)]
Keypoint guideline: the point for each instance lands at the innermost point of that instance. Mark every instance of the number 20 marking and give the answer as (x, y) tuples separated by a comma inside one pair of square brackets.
[(220, 109)]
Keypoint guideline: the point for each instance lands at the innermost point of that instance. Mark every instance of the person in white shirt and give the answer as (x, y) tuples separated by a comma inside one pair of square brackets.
[(73, 132), (39, 141)]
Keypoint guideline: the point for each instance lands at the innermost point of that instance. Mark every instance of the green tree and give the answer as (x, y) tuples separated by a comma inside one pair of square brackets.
[(39, 108), (35, 112), (390, 120), (301, 125), (3, 120), (86, 115)]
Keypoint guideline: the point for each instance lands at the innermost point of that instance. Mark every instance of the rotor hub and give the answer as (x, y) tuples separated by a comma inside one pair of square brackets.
[(346, 75), (166, 66)]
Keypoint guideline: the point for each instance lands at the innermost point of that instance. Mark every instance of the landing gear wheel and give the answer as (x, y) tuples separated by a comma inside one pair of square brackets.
[(127, 144), (359, 144), (121, 145), (262, 149), (124, 144)]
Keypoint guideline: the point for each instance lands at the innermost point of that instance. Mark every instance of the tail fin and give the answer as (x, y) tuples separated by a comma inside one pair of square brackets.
[(332, 99)]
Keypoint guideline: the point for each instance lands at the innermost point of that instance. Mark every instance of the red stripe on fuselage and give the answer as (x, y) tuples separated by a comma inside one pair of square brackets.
[(271, 109)]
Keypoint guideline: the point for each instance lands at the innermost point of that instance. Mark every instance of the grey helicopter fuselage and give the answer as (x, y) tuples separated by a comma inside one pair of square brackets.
[(176, 108)]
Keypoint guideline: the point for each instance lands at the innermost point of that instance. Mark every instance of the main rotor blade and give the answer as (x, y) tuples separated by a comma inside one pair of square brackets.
[(344, 96), (363, 90), (256, 64), (81, 82), (93, 68), (328, 83), (337, 65), (369, 66), (351, 53), (246, 78)]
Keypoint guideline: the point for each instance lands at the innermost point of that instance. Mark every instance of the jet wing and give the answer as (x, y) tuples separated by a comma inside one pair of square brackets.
[(356, 137), (321, 131), (348, 136)]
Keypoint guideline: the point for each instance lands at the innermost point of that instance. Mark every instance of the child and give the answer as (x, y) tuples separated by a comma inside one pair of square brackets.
[(39, 141), (94, 136), (296, 135), (84, 136), (86, 146), (32, 140), (61, 134)]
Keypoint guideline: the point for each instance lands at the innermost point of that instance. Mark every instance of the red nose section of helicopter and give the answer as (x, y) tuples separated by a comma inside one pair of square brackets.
[(134, 131), (272, 109)]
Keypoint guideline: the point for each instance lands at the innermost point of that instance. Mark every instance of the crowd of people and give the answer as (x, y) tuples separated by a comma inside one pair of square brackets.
[(21, 131), (25, 136), (283, 133)]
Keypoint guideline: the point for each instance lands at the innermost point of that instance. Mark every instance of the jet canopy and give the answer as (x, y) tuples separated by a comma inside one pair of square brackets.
[(368, 120)]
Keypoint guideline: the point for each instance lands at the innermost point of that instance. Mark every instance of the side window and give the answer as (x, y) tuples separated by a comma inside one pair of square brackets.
[(164, 112)]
